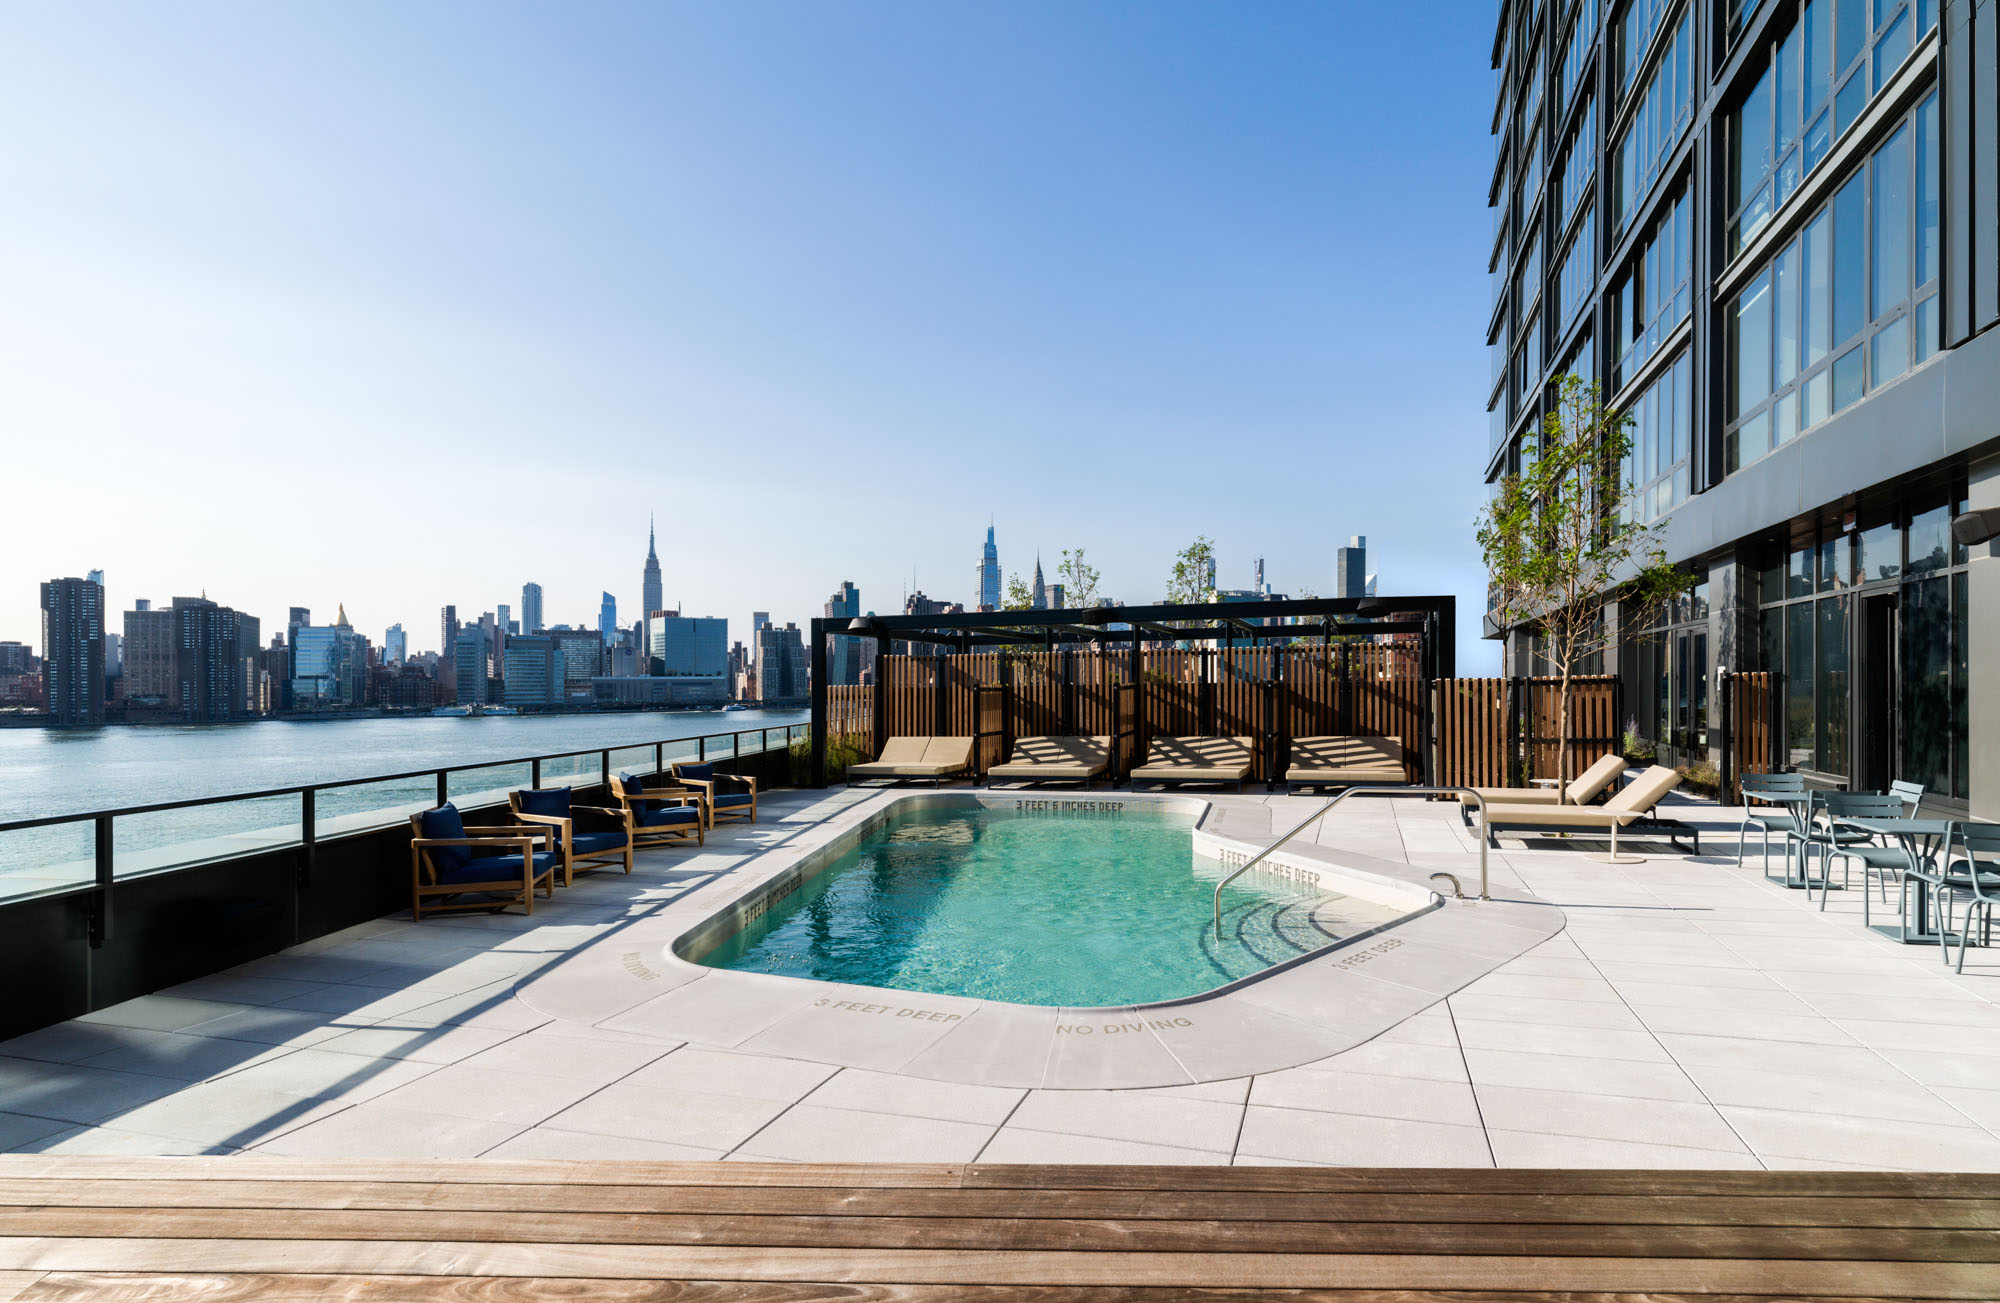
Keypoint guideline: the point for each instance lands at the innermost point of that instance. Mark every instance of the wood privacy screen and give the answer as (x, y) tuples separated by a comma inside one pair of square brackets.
[(1750, 732), (1504, 732)]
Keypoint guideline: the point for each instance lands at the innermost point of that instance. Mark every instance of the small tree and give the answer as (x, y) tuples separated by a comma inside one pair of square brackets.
[(1018, 596), (1559, 546), (1078, 578), (1193, 573)]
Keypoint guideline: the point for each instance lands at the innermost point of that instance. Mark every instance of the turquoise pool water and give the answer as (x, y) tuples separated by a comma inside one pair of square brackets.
[(1038, 906)]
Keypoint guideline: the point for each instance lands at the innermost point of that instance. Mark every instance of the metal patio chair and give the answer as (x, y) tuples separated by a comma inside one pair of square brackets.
[(1781, 819), (1878, 859), (1975, 872)]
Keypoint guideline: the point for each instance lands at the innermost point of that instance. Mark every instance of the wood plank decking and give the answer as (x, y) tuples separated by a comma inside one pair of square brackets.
[(273, 1230)]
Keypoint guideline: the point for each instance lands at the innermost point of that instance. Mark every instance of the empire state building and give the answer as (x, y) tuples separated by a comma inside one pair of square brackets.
[(650, 599)]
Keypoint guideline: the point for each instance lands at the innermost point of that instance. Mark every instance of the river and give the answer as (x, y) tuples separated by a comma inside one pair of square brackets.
[(46, 772)]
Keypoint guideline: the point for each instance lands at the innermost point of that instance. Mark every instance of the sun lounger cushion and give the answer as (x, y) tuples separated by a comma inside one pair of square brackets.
[(1640, 796), (1197, 759), (1056, 757), (1582, 791), (1346, 760), (950, 753), (552, 802), (917, 757)]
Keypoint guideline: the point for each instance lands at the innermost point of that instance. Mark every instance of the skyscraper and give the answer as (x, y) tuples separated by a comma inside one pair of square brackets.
[(1040, 600), (73, 650), (781, 665), (149, 654), (1350, 568), (650, 599), (468, 667), (987, 574), (395, 645), (447, 631), (531, 608), (843, 655), (607, 619), (210, 654), (505, 619)]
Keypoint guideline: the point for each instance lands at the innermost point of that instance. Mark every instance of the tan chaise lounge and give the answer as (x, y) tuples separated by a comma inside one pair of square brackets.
[(1345, 762), (1076, 760), (904, 759), (1632, 808), (1585, 788), (1196, 760)]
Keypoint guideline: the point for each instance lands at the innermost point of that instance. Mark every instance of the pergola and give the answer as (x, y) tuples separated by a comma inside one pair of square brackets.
[(1108, 628)]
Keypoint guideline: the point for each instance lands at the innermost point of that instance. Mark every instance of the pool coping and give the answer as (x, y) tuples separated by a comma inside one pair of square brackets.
[(636, 982)]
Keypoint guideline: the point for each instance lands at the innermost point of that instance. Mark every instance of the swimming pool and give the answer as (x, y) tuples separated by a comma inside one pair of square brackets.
[(1084, 903)]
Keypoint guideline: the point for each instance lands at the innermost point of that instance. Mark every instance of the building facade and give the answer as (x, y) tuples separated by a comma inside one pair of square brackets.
[(329, 666), (531, 608), (1350, 568), (1768, 232), (845, 656), (468, 667), (533, 671), (781, 665), (986, 576), (73, 651), (395, 645), (149, 654), (651, 591)]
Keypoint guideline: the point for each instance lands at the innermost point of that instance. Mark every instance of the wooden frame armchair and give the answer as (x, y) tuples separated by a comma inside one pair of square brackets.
[(741, 806), (443, 866), (661, 816), (582, 852)]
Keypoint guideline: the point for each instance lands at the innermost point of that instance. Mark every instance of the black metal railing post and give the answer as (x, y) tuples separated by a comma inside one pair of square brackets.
[(308, 835), (100, 907), (443, 786), (604, 767), (535, 772)]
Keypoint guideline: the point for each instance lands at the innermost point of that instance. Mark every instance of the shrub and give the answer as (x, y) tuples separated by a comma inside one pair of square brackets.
[(1637, 749), (842, 750), (1700, 777)]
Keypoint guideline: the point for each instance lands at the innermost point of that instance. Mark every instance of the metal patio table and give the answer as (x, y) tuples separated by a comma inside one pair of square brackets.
[(1921, 839), (1793, 800)]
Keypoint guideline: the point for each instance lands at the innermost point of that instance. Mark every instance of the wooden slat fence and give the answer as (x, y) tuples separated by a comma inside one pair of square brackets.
[(1750, 728)]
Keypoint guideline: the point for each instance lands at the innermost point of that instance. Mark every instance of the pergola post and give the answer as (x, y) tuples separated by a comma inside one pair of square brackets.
[(819, 713)]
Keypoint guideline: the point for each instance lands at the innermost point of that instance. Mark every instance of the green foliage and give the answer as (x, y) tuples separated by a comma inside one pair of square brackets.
[(1078, 578), (842, 750), (1193, 567), (1018, 597), (1638, 749), (1559, 546), (1701, 777)]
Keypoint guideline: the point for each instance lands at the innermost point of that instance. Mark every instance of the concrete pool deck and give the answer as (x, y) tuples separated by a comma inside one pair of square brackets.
[(1687, 1014)]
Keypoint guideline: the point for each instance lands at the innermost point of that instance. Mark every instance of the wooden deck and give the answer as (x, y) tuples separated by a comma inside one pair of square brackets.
[(212, 1229)]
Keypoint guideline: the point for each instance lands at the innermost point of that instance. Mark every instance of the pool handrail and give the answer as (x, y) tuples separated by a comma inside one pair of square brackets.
[(1336, 799)]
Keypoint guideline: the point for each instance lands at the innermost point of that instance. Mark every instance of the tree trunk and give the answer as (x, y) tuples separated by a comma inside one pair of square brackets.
[(1562, 741)]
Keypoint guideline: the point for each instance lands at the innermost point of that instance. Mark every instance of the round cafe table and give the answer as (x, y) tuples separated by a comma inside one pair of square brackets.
[(1921, 839)]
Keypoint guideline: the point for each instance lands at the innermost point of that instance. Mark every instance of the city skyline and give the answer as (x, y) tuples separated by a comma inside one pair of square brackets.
[(750, 258)]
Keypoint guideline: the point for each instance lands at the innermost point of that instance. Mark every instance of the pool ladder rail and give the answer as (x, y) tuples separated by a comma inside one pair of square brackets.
[(1336, 799)]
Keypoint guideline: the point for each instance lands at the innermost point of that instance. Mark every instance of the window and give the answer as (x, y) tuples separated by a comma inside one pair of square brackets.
[(1576, 51), (1579, 164), (1664, 109), (1528, 280), (1846, 306), (1656, 465), (1579, 272), (1528, 363), (1655, 294), (1636, 28)]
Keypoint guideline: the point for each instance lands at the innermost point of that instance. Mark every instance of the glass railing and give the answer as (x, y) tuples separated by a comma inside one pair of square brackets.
[(173, 839)]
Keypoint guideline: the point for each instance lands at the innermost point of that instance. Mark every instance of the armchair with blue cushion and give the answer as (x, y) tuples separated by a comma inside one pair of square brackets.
[(658, 816), (740, 805), (454, 869), (581, 851)]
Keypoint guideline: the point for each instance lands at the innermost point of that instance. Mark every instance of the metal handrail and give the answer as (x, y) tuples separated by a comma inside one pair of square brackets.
[(1320, 813)]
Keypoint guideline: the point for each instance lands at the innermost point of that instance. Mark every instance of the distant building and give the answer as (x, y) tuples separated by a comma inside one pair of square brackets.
[(844, 656), (656, 690), (533, 671), (1039, 594), (987, 575), (73, 651), (650, 596), (504, 618), (329, 666), (758, 620), (20, 677), (1055, 597), (1350, 568), (215, 650), (447, 630), (114, 655), (277, 674), (395, 645), (781, 665), (468, 663), (531, 608), (694, 648), (149, 655), (16, 658), (584, 655), (607, 619)]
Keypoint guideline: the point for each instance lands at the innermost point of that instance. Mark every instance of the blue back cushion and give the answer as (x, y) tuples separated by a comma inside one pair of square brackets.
[(632, 784), (550, 801), (700, 773), (445, 822)]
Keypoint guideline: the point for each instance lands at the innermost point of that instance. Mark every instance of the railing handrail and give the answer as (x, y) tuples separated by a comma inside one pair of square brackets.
[(430, 771), (1338, 797)]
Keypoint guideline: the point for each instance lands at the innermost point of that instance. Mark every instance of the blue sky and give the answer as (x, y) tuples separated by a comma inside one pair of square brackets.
[(399, 305)]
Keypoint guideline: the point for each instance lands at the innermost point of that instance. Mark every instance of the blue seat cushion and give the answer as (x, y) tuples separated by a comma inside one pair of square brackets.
[(495, 868), (733, 798), (446, 823), (666, 814), (699, 773), (590, 843), (552, 802)]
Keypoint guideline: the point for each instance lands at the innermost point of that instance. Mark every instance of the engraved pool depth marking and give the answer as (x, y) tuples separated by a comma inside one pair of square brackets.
[(915, 1015), (638, 969), (1375, 951), (1120, 1028), (782, 886), (1070, 807)]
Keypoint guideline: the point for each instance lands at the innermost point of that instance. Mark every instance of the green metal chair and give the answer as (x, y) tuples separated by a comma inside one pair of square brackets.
[(1878, 859), (1782, 819), (1976, 872)]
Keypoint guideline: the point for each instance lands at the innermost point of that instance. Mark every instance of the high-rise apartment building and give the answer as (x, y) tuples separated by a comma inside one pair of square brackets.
[(584, 658), (395, 645), (533, 672), (214, 648), (987, 575), (149, 677), (531, 608), (468, 667), (504, 617), (845, 656), (781, 665), (1767, 231), (73, 650), (1350, 568), (447, 631)]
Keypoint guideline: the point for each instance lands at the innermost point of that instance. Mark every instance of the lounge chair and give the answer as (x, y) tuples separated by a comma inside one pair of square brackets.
[(1632, 808), (1345, 762), (1587, 787), (444, 868), (659, 816), (1176, 760), (1076, 760), (907, 758), (581, 852), (735, 806)]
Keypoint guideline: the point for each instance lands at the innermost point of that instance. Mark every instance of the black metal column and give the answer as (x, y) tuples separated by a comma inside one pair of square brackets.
[(819, 720)]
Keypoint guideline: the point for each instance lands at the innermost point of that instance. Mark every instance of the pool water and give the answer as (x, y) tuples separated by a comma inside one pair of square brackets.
[(1051, 906)]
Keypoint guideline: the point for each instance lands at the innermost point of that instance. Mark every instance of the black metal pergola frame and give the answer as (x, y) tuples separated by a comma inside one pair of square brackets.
[(1435, 619)]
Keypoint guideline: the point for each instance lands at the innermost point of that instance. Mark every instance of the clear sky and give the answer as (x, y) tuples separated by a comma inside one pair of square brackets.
[(398, 305)]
